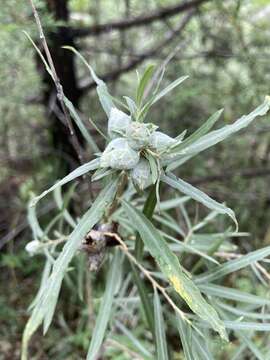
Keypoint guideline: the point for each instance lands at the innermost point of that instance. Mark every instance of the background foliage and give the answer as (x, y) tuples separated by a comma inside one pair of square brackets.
[(223, 49)]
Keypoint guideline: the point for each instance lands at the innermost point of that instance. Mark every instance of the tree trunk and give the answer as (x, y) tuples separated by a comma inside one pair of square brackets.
[(66, 71)]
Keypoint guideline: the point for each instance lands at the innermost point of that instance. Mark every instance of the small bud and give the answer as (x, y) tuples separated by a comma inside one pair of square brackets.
[(138, 135), (119, 155), (33, 247)]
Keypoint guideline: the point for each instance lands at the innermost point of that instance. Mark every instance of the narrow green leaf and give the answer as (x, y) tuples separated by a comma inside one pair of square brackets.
[(172, 269), (157, 97), (168, 89), (146, 303), (90, 140), (189, 248), (46, 304), (131, 105), (61, 206), (103, 94), (136, 342), (253, 348), (185, 333), (81, 170), (247, 326), (47, 67), (33, 222), (153, 167), (245, 338), (232, 294), (148, 211), (234, 265), (207, 126), (162, 351), (104, 312), (173, 203), (201, 347), (217, 136), (244, 313), (44, 278), (101, 173), (147, 75), (198, 195)]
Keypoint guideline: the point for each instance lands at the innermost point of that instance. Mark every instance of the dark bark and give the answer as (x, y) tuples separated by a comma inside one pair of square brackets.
[(143, 20), (65, 68), (168, 38)]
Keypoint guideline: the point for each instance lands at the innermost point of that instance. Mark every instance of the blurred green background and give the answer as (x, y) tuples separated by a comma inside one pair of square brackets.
[(224, 47)]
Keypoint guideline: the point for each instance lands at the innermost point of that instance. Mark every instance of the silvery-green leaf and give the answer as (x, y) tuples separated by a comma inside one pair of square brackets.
[(119, 155), (138, 135), (101, 173), (160, 141), (105, 308), (198, 195), (141, 174), (233, 294), (185, 333), (162, 350), (204, 129), (131, 105), (144, 80), (234, 265), (86, 134), (216, 136), (46, 303), (81, 170), (153, 167), (118, 123), (104, 97), (171, 268)]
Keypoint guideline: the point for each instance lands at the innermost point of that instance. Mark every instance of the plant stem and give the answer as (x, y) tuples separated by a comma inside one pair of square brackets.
[(148, 211), (119, 193)]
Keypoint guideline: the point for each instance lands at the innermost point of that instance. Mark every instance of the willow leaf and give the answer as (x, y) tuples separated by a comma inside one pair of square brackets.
[(105, 307), (162, 351), (143, 83), (185, 333), (45, 306), (81, 125), (216, 136), (172, 269), (247, 326), (234, 265), (103, 94), (168, 89), (198, 195), (233, 294), (207, 126), (81, 170)]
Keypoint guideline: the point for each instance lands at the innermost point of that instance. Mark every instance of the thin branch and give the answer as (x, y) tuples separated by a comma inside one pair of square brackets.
[(115, 74), (142, 20), (147, 274), (59, 88)]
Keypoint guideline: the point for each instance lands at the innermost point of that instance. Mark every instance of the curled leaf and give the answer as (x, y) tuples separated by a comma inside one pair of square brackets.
[(160, 141), (141, 174), (119, 155), (118, 123)]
